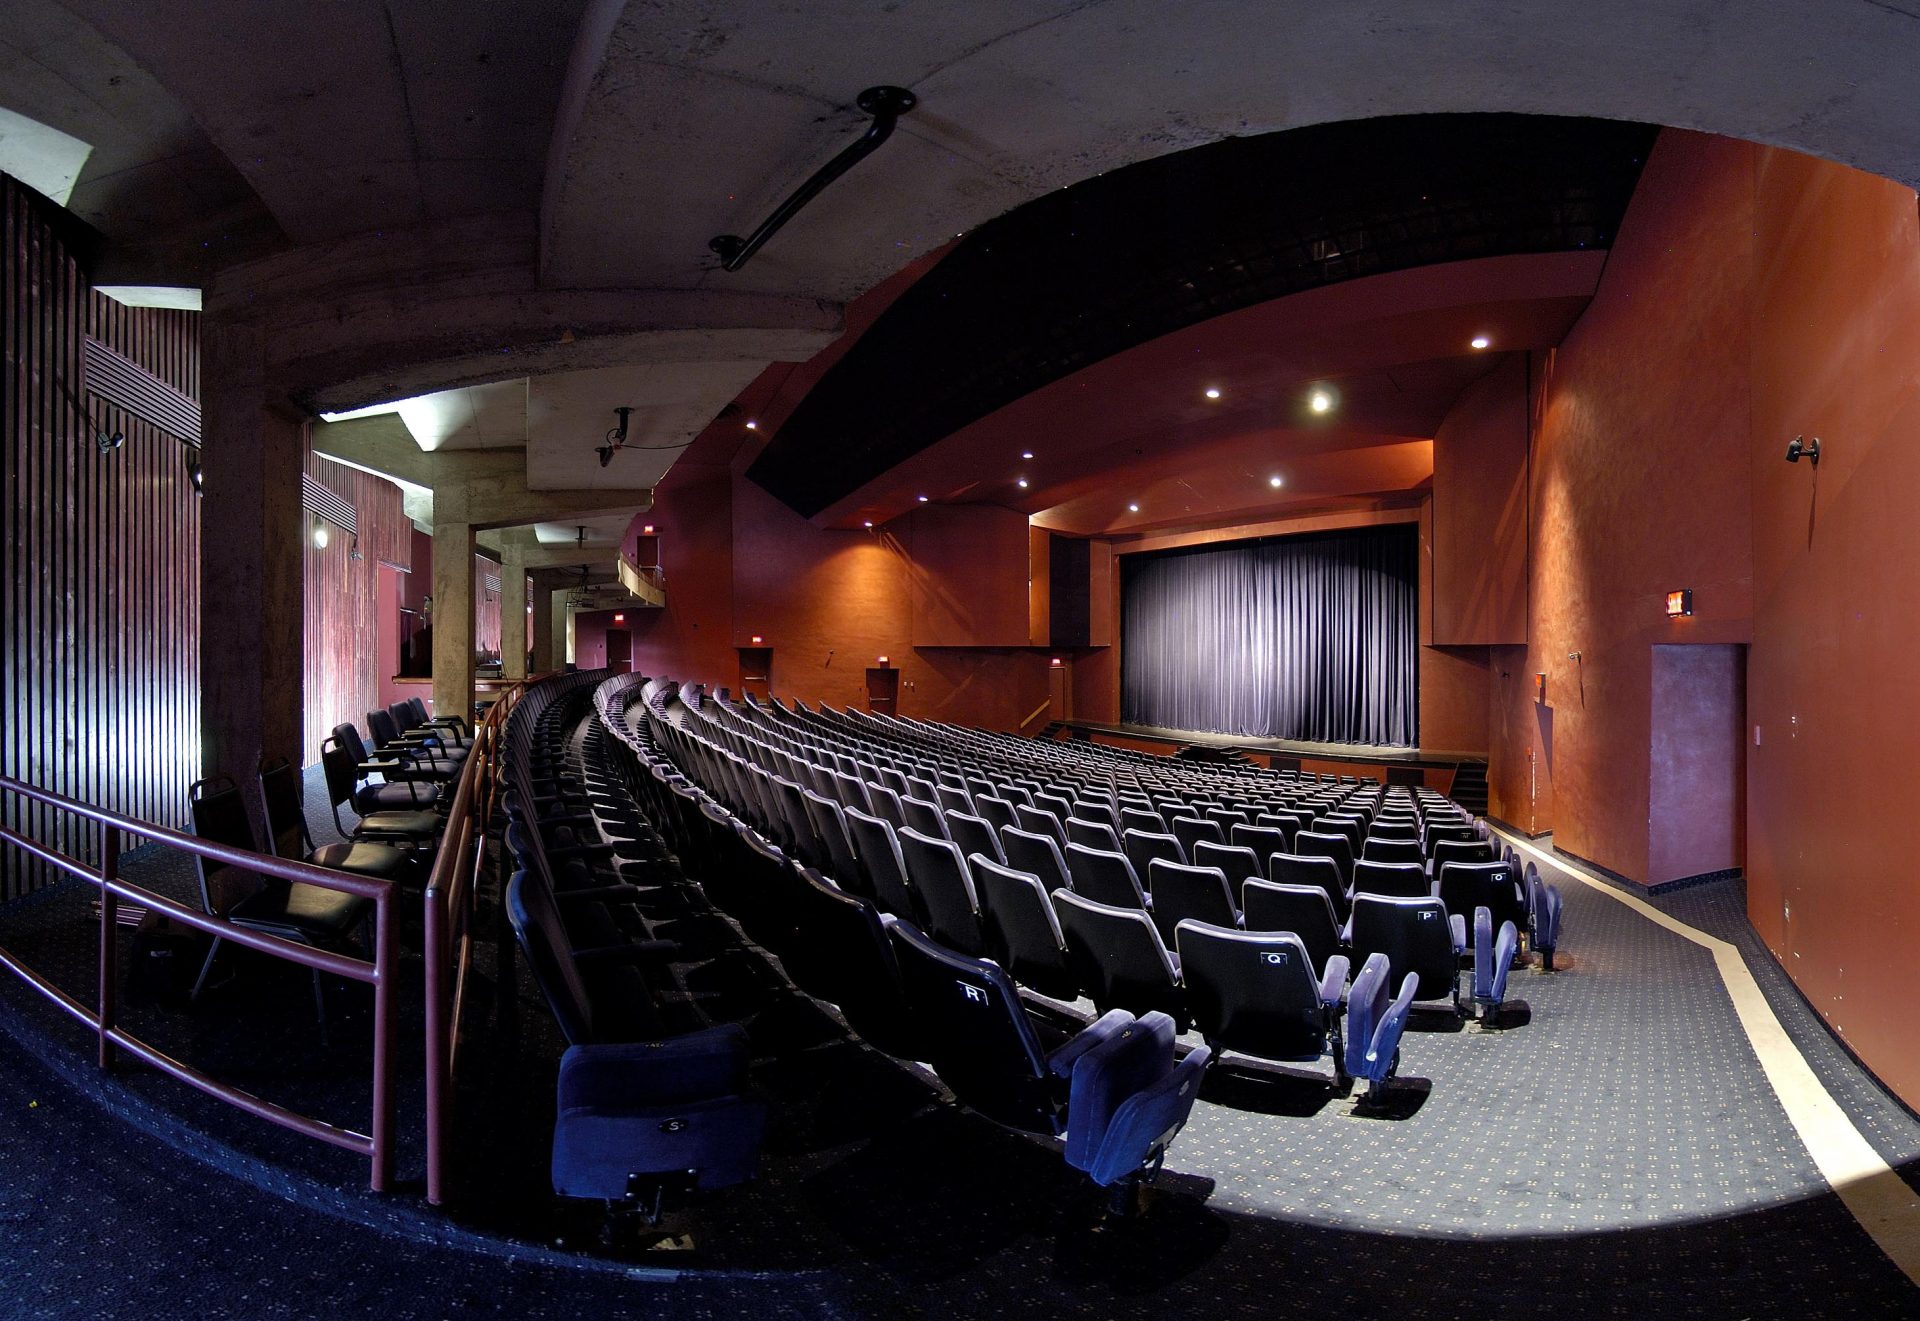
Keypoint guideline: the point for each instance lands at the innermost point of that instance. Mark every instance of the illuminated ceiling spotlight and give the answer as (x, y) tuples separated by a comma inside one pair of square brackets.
[(1026, 454), (1321, 400), (1274, 481), (1133, 509), (1213, 392), (922, 499), (752, 425), (1022, 483), (868, 523), (1480, 341)]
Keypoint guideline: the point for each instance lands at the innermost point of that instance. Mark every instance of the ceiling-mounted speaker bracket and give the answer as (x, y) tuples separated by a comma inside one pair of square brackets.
[(886, 103)]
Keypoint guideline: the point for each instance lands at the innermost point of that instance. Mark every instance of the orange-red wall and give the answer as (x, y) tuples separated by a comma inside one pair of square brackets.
[(1639, 485), (1753, 295), (1835, 662), (829, 603)]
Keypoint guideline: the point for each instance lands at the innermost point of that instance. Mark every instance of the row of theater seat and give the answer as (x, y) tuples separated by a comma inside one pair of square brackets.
[(1114, 1089), (1045, 925)]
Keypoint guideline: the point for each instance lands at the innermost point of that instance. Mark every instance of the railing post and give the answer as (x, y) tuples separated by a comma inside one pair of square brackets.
[(383, 1042), (108, 1004)]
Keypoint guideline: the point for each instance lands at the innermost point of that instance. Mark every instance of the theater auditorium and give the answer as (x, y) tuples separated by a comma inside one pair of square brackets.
[(1114, 659)]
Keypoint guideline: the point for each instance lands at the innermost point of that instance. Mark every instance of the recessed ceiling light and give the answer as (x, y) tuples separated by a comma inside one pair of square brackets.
[(752, 425), (1023, 483), (1026, 454), (868, 523), (1274, 481), (923, 499), (1213, 392), (1480, 341), (1320, 401), (1133, 509)]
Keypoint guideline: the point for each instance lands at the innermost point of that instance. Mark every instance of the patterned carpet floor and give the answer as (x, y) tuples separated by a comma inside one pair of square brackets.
[(1615, 1150)]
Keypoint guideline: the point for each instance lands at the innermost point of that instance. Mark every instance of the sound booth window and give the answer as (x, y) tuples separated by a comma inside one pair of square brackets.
[(1307, 637)]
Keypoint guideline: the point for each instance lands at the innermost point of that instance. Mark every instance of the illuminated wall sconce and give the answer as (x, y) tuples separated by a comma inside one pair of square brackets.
[(647, 531), (1056, 660), (882, 660), (619, 619), (1680, 603), (756, 639)]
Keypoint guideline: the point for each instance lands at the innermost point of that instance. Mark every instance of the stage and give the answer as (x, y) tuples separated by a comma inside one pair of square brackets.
[(1441, 771)]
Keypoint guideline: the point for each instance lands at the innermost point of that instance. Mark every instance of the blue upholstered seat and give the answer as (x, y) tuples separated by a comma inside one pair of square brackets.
[(1376, 1018), (1128, 1100)]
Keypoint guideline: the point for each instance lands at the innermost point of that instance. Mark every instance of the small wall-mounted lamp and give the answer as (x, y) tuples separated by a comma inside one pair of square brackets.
[(1680, 603), (320, 535), (1056, 660), (882, 660), (619, 619), (1800, 445), (755, 639), (1573, 656)]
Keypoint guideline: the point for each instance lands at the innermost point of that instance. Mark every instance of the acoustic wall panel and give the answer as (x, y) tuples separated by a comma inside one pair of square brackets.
[(99, 554)]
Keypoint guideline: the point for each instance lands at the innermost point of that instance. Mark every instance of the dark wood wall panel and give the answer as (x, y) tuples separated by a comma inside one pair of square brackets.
[(343, 656), (99, 562)]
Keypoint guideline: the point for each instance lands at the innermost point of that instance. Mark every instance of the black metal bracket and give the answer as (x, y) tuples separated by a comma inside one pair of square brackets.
[(886, 104)]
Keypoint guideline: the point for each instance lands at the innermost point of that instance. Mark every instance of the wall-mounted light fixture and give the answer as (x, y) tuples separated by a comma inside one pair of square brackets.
[(616, 437), (1680, 603), (320, 534), (619, 619), (880, 660), (1799, 446), (755, 639)]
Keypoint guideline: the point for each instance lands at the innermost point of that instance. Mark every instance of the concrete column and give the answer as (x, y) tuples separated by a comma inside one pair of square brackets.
[(453, 633), (513, 615), (252, 533), (543, 598)]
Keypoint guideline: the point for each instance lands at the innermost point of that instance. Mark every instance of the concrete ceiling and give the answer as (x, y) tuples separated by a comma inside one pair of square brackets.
[(603, 531), (466, 194)]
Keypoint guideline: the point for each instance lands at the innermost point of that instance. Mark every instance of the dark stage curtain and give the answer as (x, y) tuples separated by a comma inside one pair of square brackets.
[(1308, 637)]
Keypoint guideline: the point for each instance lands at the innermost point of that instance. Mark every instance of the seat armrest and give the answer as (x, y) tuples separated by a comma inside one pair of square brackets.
[(1103, 1029), (1333, 982), (380, 766), (1458, 923), (1346, 930)]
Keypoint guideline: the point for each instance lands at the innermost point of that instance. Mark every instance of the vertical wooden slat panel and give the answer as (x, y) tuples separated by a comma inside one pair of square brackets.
[(341, 602), (99, 581)]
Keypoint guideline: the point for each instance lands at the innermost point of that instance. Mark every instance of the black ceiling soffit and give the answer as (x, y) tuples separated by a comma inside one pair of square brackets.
[(1092, 270)]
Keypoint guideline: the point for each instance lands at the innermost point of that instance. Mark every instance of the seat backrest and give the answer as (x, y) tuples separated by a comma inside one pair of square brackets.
[(974, 834), (878, 850), (1035, 854), (280, 791), (938, 872), (1257, 992), (1190, 830), (1021, 930), (1180, 892), (1104, 876), (953, 798), (1142, 819), (1445, 851), (1415, 936), (1118, 956), (850, 959), (924, 816), (1352, 828), (1305, 910), (1142, 847), (348, 737), (220, 817), (1376, 849), (1394, 829), (1237, 861), (1265, 841), (1323, 844), (1057, 803), (830, 827), (970, 1026), (380, 724), (886, 804), (1407, 879), (542, 937), (997, 812), (1092, 834), (1040, 821), (1228, 817), (1495, 886), (338, 766)]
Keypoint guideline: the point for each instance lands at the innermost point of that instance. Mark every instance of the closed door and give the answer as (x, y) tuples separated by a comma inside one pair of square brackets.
[(619, 650)]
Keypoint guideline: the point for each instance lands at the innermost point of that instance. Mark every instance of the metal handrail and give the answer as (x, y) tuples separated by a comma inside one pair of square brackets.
[(102, 1018), (452, 889)]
